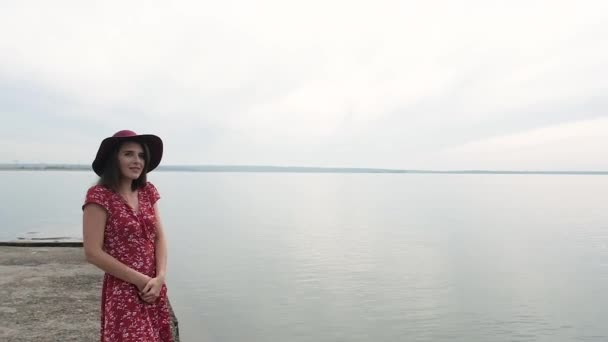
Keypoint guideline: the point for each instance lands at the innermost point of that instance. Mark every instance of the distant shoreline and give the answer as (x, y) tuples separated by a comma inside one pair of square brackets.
[(289, 169)]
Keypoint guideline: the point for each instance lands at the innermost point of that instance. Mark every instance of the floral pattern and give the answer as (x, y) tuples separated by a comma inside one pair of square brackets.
[(129, 237)]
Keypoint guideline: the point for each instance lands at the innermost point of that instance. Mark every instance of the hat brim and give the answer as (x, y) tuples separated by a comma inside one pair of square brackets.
[(154, 143)]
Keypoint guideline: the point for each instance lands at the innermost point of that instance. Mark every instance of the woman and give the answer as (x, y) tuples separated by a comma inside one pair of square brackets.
[(124, 237)]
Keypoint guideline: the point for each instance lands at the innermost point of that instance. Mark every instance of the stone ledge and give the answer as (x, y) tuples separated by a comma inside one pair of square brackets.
[(50, 294), (40, 243)]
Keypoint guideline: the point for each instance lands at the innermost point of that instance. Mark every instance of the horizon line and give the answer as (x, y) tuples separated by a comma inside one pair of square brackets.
[(287, 169)]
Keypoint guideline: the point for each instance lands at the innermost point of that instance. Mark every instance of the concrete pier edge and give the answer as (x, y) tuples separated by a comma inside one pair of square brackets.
[(76, 244), (40, 243)]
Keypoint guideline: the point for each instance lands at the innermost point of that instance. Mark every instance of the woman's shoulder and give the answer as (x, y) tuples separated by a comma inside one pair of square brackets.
[(98, 190), (98, 194), (152, 192), (149, 187)]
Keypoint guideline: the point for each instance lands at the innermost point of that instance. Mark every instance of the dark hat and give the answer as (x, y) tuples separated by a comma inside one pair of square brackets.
[(154, 143)]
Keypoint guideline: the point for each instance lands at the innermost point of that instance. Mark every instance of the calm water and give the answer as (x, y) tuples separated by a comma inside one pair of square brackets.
[(364, 257)]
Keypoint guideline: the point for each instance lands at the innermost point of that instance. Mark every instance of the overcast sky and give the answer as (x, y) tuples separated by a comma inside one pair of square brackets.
[(394, 84)]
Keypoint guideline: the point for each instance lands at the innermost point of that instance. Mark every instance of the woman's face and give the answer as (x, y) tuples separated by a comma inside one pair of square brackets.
[(131, 160)]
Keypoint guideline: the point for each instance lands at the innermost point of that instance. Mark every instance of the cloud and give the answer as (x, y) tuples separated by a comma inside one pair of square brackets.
[(360, 83), (553, 147)]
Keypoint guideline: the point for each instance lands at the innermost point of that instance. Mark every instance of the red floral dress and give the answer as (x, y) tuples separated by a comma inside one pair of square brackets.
[(129, 237)]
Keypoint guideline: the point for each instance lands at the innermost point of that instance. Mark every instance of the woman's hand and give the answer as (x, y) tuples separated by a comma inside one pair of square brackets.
[(151, 291), (142, 282)]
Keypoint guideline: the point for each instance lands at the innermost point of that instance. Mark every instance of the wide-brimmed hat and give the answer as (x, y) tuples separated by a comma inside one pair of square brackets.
[(154, 143)]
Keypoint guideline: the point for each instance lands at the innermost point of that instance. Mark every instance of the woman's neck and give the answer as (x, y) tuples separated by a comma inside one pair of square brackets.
[(125, 186)]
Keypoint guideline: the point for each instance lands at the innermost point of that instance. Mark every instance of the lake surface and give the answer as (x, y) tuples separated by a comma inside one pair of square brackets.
[(363, 257)]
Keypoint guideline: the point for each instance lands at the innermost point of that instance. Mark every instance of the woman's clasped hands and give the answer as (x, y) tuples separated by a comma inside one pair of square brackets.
[(151, 291)]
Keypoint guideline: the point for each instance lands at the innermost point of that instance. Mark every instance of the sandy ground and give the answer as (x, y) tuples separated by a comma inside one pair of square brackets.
[(48, 294)]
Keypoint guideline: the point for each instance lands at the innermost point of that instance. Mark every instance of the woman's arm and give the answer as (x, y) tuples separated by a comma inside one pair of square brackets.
[(152, 289), (93, 226), (161, 247)]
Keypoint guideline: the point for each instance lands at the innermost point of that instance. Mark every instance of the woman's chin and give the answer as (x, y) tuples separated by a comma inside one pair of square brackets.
[(132, 176)]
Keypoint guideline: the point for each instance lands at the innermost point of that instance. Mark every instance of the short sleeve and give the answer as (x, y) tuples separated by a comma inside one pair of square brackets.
[(153, 194), (99, 196)]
